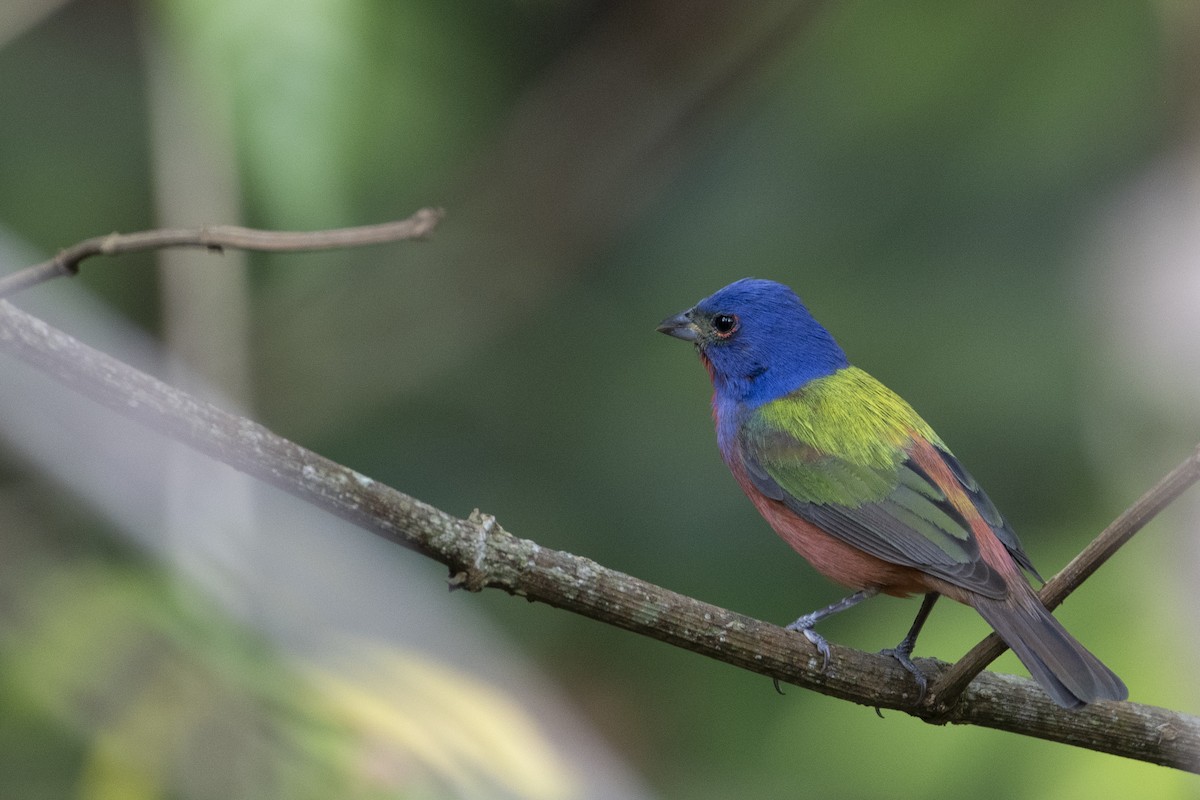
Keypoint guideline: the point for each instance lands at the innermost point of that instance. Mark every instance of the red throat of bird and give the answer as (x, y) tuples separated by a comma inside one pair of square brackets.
[(708, 365), (712, 376)]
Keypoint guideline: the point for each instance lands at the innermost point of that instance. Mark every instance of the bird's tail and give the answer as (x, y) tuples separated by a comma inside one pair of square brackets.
[(1070, 674)]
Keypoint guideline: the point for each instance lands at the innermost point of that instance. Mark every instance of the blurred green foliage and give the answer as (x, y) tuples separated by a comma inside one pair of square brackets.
[(925, 174)]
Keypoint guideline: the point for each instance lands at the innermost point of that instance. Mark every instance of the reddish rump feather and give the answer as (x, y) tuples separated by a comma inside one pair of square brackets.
[(991, 550)]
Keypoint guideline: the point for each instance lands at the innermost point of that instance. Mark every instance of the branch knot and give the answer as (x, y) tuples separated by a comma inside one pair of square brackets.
[(474, 577)]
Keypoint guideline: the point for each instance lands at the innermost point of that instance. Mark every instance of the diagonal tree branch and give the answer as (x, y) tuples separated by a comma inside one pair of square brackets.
[(218, 237), (481, 554)]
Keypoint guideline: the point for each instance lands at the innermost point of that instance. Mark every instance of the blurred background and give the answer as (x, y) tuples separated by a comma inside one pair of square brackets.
[(995, 206)]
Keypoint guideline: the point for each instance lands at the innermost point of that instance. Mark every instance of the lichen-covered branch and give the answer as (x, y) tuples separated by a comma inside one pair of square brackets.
[(481, 554)]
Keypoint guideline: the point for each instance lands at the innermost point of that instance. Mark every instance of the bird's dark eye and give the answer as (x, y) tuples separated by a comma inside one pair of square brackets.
[(725, 325)]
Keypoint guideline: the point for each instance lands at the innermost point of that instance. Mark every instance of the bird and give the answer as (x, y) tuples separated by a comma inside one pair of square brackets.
[(857, 483)]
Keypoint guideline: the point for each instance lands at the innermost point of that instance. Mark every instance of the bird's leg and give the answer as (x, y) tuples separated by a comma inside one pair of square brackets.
[(804, 624), (903, 651)]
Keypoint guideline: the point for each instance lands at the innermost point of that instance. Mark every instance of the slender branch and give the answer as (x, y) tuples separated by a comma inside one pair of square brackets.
[(218, 237), (480, 554), (1103, 547)]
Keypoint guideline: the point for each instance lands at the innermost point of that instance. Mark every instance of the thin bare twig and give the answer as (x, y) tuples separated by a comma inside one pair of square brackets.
[(1103, 547), (218, 237), (480, 554)]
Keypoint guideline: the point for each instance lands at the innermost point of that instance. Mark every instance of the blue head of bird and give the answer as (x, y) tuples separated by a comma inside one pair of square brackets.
[(757, 341)]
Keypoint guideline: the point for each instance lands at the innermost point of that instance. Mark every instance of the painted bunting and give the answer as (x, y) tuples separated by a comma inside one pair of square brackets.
[(849, 475)]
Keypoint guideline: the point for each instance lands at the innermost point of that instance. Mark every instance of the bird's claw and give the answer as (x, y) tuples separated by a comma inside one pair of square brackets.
[(902, 657), (804, 625), (818, 642)]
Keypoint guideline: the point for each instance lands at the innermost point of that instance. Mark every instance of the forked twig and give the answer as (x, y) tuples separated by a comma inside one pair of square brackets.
[(218, 237)]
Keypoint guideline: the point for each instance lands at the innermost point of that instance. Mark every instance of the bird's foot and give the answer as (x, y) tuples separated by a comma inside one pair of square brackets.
[(902, 655), (804, 625)]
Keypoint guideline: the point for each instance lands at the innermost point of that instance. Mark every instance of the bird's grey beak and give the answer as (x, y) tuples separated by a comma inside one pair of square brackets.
[(680, 326)]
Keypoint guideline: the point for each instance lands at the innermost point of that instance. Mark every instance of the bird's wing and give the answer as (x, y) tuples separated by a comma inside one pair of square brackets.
[(991, 515), (902, 498)]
